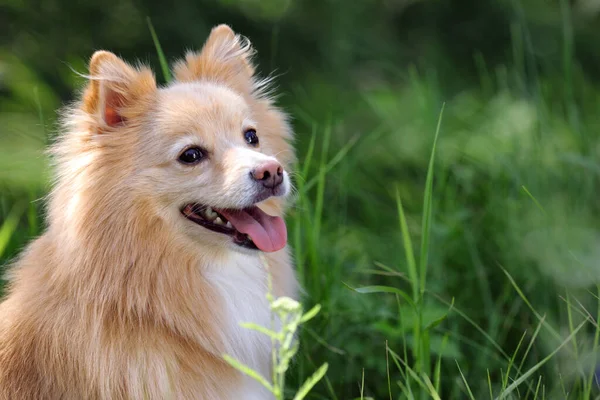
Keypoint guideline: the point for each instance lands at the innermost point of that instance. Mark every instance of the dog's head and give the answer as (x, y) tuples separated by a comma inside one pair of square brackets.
[(208, 154)]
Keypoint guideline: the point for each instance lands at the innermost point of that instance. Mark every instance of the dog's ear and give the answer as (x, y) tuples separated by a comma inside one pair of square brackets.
[(225, 58), (115, 89)]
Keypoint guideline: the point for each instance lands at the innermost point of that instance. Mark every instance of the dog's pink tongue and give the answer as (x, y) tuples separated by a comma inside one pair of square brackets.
[(267, 232)]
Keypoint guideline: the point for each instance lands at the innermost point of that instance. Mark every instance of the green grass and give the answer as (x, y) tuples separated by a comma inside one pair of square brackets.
[(454, 257)]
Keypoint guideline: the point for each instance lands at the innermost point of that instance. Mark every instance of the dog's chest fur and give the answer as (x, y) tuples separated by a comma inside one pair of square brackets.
[(242, 285)]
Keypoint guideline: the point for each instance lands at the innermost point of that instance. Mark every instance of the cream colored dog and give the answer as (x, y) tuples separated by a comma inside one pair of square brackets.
[(163, 202)]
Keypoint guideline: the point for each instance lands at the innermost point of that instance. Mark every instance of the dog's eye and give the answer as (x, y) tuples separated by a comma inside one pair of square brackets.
[(251, 137), (193, 155)]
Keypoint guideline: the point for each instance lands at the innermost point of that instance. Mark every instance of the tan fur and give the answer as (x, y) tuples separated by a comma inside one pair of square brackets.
[(113, 301)]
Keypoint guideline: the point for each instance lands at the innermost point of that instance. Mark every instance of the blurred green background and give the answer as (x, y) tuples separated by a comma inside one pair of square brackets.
[(515, 233)]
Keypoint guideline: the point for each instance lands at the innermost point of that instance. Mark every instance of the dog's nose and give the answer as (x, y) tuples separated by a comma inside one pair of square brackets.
[(270, 174)]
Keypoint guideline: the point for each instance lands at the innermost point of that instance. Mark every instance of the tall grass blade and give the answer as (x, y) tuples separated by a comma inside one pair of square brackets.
[(489, 381), (439, 320), (38, 106), (311, 382), (570, 321), (427, 206), (10, 225), (592, 375), (524, 298), (437, 376), (382, 289), (512, 361), (535, 201), (309, 153), (335, 160), (413, 374), (362, 385), (387, 368), (513, 386), (465, 382), (164, 65), (319, 201), (408, 249), (432, 392)]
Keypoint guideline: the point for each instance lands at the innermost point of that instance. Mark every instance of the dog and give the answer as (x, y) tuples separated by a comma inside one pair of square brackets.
[(163, 224)]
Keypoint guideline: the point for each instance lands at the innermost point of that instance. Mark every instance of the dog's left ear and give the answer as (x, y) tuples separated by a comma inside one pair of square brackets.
[(225, 58)]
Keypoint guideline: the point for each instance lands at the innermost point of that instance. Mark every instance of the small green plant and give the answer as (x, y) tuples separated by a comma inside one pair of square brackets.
[(284, 346)]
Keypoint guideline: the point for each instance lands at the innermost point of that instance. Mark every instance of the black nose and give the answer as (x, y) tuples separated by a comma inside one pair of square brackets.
[(270, 174)]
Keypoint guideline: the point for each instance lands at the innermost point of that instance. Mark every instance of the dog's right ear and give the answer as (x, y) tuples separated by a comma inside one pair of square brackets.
[(116, 91)]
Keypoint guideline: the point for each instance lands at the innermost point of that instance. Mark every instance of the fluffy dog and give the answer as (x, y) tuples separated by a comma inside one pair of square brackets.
[(164, 200)]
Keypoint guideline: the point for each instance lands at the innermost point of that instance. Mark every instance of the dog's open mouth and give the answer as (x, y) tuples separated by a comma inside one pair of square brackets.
[(250, 227)]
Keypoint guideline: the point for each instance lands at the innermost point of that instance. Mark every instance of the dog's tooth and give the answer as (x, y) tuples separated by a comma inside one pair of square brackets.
[(210, 214), (228, 224), (218, 221)]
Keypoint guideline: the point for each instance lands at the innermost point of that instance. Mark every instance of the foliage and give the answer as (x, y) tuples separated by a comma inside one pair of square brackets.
[(509, 301)]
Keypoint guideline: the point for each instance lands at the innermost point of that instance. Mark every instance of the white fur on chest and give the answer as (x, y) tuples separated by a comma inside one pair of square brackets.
[(242, 285)]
